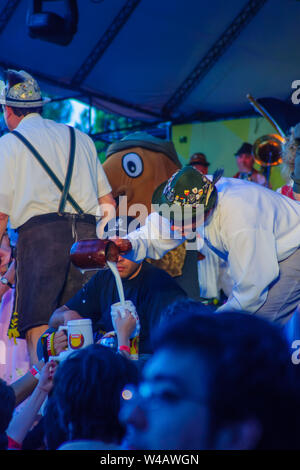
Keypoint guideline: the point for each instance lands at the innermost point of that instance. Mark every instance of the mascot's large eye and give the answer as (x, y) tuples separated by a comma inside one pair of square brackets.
[(132, 164)]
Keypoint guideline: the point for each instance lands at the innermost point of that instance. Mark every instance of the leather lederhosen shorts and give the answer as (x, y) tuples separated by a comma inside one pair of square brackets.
[(46, 278)]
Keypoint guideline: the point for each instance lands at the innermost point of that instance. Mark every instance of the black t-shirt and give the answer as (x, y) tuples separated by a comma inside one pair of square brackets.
[(151, 291)]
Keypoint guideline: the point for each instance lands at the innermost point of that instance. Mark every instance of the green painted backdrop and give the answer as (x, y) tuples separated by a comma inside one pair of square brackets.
[(220, 140)]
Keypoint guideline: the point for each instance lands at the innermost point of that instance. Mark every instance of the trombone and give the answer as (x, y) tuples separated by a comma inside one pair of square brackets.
[(267, 150)]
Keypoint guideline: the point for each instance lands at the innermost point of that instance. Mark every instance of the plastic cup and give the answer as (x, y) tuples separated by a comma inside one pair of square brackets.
[(119, 309)]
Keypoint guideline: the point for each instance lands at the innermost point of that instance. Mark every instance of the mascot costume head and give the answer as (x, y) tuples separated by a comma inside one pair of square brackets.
[(137, 164), (135, 167)]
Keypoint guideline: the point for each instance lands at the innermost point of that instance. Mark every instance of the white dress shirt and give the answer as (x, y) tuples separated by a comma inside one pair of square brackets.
[(252, 228), (26, 190)]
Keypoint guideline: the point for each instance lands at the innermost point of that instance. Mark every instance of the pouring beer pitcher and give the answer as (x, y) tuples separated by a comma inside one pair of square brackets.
[(94, 253)]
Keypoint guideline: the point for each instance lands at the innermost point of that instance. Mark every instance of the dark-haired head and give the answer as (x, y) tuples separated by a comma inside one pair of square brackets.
[(54, 435), (183, 307), (87, 391), (249, 373)]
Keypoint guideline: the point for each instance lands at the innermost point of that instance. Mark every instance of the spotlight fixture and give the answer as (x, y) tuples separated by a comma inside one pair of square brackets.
[(51, 26)]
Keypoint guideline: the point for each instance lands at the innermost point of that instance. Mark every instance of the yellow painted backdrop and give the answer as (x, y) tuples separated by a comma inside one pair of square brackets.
[(220, 140)]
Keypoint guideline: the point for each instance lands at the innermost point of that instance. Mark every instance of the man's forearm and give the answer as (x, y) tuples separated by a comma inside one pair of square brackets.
[(22, 422), (5, 252), (107, 211), (153, 239), (24, 386), (62, 315), (58, 318), (3, 224)]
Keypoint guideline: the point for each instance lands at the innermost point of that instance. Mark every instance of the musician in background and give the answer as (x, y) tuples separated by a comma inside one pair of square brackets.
[(245, 162), (199, 162), (291, 164)]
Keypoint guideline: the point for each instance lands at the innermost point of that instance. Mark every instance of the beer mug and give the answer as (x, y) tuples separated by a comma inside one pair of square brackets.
[(79, 332)]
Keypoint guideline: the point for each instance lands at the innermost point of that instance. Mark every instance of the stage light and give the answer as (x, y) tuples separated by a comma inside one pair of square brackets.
[(51, 26)]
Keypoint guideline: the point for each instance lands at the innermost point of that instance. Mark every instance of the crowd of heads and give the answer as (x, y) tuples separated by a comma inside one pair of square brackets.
[(223, 381), (214, 381)]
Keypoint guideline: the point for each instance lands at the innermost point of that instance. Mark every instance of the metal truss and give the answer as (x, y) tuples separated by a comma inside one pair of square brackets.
[(157, 129), (105, 41), (213, 55), (84, 94)]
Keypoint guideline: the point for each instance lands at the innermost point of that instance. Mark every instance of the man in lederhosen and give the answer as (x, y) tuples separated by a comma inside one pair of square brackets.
[(51, 186)]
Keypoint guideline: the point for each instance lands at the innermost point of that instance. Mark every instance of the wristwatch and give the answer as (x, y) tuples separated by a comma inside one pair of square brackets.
[(6, 282)]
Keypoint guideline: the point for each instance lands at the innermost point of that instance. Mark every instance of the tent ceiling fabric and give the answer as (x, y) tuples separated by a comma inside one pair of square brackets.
[(164, 60)]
